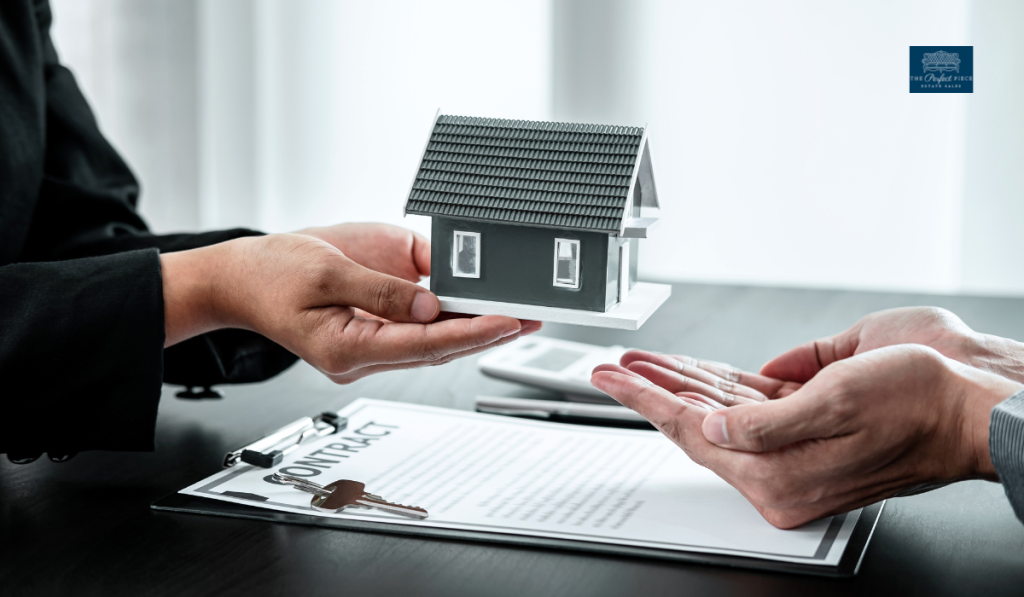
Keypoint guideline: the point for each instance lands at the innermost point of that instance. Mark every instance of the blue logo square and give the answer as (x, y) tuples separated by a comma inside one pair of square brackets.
[(941, 69)]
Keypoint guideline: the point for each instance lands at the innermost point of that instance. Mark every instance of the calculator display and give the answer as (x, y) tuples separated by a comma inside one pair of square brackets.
[(554, 359)]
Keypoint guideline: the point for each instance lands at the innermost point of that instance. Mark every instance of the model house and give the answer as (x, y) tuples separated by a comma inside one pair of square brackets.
[(538, 214)]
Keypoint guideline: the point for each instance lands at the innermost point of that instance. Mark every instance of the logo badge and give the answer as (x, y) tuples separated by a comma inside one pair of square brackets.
[(941, 69)]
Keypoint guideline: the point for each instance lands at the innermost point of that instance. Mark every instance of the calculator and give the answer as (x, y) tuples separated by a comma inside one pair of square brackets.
[(558, 365)]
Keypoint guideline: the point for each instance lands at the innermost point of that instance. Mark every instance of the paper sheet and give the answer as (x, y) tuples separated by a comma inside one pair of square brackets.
[(498, 474)]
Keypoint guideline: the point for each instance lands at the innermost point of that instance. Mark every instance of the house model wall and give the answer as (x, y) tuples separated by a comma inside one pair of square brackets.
[(535, 213)]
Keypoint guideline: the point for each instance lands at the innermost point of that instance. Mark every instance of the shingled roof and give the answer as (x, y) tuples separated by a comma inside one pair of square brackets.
[(525, 172)]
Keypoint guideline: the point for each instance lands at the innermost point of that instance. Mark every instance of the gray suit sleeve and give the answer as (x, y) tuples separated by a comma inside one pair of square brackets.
[(1006, 445)]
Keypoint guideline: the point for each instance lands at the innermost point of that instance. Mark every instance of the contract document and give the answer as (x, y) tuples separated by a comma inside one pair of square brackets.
[(493, 474)]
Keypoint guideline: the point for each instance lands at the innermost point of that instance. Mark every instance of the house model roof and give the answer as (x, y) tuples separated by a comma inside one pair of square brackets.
[(578, 176)]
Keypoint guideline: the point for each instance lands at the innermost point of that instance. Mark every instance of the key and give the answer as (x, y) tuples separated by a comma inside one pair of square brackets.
[(346, 493), (343, 494)]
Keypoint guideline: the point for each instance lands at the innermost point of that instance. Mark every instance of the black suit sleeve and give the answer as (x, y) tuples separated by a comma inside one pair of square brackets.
[(80, 354), (81, 314)]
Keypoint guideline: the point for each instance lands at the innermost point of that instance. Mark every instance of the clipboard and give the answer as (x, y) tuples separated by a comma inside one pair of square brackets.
[(269, 450), (326, 423), (848, 566)]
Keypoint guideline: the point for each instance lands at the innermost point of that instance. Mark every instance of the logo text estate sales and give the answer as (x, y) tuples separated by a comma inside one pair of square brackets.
[(941, 69)]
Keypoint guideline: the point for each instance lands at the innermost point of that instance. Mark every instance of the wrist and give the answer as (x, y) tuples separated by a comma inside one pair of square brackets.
[(190, 280), (980, 392), (1001, 356)]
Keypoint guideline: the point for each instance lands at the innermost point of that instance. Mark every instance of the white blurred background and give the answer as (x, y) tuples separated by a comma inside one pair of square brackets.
[(787, 148)]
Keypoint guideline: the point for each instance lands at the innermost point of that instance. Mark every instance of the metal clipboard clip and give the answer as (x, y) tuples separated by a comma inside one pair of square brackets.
[(268, 451)]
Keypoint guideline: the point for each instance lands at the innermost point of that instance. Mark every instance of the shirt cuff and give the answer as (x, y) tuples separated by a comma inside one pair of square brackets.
[(1006, 446)]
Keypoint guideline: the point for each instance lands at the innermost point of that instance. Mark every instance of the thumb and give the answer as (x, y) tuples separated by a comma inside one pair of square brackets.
[(805, 361), (383, 295), (766, 426)]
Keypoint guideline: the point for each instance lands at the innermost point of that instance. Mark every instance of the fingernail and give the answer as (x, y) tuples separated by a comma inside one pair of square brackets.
[(424, 306), (508, 333), (714, 429)]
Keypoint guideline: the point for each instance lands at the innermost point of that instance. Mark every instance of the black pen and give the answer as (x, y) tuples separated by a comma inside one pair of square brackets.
[(562, 412)]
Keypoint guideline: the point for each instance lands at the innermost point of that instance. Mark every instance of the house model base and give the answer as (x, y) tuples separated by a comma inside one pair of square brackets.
[(643, 300)]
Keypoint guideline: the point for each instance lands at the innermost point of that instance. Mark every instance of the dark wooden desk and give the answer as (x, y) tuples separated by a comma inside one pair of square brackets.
[(85, 527)]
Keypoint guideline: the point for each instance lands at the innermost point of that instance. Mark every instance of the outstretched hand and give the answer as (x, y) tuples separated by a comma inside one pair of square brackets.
[(343, 317), (861, 430)]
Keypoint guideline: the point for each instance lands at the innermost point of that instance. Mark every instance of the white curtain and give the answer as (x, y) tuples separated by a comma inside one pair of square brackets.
[(786, 145), (303, 112), (136, 63)]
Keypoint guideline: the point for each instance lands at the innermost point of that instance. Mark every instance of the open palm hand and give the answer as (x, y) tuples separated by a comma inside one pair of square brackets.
[(707, 384)]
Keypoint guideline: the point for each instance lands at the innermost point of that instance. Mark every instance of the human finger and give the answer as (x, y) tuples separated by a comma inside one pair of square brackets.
[(391, 298), (677, 417), (701, 400), (654, 403), (355, 342), (421, 253), (368, 315), (697, 381), (526, 326), (529, 326), (357, 374), (802, 363), (770, 425), (683, 365)]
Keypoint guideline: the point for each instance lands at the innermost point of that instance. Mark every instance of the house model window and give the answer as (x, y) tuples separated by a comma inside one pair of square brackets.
[(466, 255), (567, 263)]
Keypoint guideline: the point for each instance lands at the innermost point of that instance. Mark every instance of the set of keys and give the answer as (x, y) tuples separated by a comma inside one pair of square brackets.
[(337, 496)]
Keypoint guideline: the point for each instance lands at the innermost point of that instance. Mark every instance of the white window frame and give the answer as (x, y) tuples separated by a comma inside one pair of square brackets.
[(579, 258), (455, 254)]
